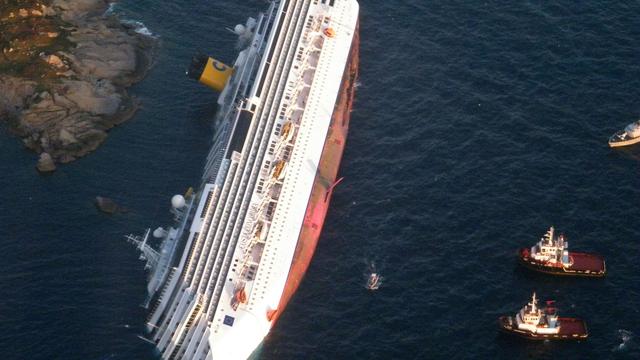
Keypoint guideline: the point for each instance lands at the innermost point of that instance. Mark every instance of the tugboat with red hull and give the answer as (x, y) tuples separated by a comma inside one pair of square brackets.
[(551, 256), (535, 323)]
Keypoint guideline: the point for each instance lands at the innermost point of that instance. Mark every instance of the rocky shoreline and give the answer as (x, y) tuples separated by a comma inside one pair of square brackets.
[(65, 66)]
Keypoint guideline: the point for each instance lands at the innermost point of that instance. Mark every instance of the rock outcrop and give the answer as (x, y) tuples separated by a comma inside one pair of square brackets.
[(106, 205), (64, 70), (45, 163)]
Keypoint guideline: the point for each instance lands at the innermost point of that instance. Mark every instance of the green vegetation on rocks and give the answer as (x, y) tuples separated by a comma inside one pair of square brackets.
[(64, 70)]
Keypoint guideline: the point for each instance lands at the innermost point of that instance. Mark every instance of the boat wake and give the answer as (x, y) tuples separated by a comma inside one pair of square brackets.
[(626, 337)]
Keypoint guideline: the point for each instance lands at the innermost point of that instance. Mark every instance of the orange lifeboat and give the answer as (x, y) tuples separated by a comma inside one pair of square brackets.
[(329, 32), (287, 132), (278, 171), (241, 295)]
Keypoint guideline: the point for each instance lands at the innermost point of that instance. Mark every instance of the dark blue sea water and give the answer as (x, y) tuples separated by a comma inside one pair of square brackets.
[(477, 125)]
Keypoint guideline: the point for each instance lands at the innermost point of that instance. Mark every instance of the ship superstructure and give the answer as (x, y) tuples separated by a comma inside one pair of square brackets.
[(244, 239), (551, 249), (536, 320)]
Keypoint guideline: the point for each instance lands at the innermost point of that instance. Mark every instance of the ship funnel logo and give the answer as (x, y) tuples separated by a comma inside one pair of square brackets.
[(219, 66)]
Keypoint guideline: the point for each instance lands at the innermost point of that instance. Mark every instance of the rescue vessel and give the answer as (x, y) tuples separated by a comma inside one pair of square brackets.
[(551, 255), (628, 136), (242, 241), (535, 323)]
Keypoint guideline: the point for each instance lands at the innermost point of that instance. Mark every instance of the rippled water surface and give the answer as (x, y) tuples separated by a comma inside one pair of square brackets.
[(477, 125)]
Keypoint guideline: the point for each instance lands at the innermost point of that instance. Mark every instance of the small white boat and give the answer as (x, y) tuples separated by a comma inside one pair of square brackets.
[(629, 136), (374, 281)]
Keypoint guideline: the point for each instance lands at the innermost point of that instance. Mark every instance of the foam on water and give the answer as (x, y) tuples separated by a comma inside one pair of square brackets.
[(139, 27), (625, 337)]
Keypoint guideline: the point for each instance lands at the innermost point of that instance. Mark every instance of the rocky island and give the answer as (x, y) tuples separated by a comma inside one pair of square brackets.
[(65, 66)]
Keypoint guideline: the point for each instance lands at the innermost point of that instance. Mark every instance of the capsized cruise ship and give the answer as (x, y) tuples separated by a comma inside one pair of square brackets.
[(243, 239)]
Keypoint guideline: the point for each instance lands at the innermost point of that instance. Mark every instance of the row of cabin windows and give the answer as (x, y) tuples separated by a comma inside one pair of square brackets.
[(261, 181), (272, 147), (330, 2)]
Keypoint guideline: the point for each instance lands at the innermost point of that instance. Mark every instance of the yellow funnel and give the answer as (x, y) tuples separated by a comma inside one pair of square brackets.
[(210, 72)]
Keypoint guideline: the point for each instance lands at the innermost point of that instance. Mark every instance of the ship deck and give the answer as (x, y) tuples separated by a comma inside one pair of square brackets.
[(587, 262), (572, 327)]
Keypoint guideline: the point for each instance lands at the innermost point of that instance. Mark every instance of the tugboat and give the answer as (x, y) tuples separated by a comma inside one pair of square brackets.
[(534, 323), (629, 136), (551, 256)]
